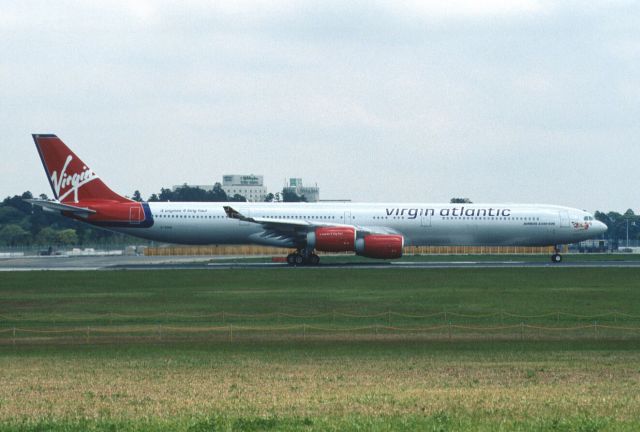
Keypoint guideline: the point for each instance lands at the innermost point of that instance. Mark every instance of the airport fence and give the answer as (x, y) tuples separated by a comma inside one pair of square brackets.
[(255, 250), (334, 325)]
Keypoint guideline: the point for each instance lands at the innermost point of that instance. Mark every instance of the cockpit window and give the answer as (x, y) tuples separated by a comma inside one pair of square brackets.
[(588, 218)]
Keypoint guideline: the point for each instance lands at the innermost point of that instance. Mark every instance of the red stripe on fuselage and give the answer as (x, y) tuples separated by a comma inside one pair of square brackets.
[(110, 211)]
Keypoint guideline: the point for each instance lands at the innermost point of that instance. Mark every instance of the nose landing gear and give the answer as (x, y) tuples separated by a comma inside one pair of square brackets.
[(556, 258)]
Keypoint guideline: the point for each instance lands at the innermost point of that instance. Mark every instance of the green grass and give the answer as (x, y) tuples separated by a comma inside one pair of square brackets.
[(341, 381), (307, 291)]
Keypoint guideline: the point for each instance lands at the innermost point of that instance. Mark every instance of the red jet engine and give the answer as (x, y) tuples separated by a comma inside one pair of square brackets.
[(343, 239), (382, 246), (332, 239)]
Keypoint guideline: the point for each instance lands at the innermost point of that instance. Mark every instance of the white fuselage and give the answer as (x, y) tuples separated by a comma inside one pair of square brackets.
[(419, 224)]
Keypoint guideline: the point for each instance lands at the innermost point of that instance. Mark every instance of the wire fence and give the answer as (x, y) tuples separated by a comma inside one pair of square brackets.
[(16, 329), (388, 315), (232, 332)]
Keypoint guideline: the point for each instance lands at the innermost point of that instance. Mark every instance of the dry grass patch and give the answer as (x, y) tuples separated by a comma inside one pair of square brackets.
[(316, 381)]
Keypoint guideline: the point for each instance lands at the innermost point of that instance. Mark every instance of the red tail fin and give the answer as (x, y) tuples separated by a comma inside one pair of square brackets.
[(71, 179)]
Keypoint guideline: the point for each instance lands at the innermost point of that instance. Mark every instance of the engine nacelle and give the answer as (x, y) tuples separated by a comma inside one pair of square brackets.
[(382, 246), (332, 239)]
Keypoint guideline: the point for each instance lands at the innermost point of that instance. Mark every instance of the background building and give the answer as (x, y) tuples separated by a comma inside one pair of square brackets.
[(249, 186), (311, 193)]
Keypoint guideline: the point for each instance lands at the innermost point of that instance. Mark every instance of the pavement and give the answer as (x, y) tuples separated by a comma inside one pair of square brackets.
[(37, 263)]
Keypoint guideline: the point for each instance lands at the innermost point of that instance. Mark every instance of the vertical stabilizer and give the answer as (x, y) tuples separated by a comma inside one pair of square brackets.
[(71, 180)]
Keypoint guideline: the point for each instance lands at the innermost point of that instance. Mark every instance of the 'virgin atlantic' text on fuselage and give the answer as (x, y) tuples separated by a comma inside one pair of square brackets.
[(412, 213)]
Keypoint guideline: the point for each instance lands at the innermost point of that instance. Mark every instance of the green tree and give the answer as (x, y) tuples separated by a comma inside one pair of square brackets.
[(186, 193), (290, 196), (238, 198), (10, 215), (136, 196), (269, 198), (617, 225), (218, 194), (14, 235), (165, 195), (47, 236), (67, 237)]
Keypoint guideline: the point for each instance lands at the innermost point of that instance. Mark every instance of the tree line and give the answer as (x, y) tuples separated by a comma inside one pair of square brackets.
[(186, 193), (22, 224)]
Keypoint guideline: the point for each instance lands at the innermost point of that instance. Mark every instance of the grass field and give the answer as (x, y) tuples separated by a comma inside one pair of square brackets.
[(336, 380)]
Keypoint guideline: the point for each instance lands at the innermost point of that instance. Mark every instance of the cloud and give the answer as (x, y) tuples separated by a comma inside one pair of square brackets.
[(373, 100), (468, 8)]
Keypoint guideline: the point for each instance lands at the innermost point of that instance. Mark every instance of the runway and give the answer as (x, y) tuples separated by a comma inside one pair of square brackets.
[(80, 263)]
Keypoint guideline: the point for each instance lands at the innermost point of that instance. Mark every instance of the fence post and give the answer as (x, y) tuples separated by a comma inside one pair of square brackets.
[(304, 332), (160, 332), (445, 316), (230, 332), (449, 330), (334, 317), (595, 329), (557, 317), (521, 330), (87, 334), (222, 317), (14, 335), (389, 318)]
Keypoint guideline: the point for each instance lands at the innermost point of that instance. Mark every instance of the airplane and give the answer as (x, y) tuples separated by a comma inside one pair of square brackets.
[(374, 230)]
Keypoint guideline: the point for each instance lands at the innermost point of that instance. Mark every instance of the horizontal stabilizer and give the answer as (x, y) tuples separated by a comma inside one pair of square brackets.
[(58, 206)]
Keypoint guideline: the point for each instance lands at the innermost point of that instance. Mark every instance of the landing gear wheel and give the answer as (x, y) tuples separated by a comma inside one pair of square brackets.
[(556, 258), (291, 259), (314, 259), (298, 259)]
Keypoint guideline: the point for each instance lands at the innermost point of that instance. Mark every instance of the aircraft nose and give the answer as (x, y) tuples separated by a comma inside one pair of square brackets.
[(600, 227)]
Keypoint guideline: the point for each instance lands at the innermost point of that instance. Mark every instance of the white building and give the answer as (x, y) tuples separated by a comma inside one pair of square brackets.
[(311, 193), (249, 186)]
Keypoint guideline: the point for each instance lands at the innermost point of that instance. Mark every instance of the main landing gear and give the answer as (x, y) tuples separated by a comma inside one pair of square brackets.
[(302, 258), (556, 257)]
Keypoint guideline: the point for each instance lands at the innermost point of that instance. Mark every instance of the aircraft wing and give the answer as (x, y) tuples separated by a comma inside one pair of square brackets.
[(58, 206), (285, 224), (277, 224), (295, 229), (235, 214)]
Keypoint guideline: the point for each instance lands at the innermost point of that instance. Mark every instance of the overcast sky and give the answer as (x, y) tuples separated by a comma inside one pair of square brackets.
[(499, 101)]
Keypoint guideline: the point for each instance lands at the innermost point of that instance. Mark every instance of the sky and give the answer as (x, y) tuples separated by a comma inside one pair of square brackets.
[(411, 101)]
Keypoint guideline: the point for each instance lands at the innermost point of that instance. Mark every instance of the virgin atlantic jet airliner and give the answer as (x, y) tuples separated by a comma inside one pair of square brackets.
[(374, 230)]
